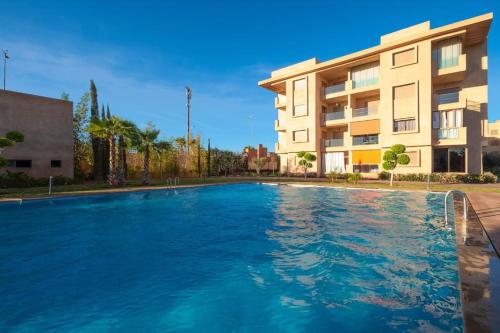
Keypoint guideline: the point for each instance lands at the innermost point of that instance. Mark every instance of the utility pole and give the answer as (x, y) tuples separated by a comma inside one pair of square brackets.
[(5, 57), (188, 105)]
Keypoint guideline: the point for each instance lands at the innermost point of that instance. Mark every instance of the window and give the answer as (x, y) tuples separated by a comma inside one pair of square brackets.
[(19, 163), (405, 57), (448, 52), (404, 125), (366, 75), (365, 139), (449, 160), (300, 136), (448, 96), (404, 101), (447, 119), (299, 84), (365, 168), (300, 110), (441, 160), (414, 158), (55, 163)]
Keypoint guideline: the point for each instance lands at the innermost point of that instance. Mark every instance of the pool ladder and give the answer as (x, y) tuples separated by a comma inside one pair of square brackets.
[(465, 211), (464, 197)]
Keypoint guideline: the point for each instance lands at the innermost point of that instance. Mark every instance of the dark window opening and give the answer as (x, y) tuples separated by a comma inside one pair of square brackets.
[(365, 140), (457, 159), (19, 163), (365, 168), (55, 163), (449, 160)]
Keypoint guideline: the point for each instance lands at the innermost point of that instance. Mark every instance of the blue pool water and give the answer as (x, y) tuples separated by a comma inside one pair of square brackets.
[(232, 258)]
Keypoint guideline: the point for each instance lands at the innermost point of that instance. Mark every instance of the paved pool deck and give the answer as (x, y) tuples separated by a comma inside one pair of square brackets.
[(487, 209)]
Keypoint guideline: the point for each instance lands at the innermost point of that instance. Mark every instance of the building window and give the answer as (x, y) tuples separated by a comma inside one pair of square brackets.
[(19, 163), (405, 57), (365, 168), (448, 96), (300, 110), (404, 101), (300, 136), (447, 119), (365, 139), (404, 125), (55, 163), (449, 160), (299, 84), (365, 75), (448, 52)]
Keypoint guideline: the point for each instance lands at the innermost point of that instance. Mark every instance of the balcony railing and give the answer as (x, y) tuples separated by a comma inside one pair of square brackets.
[(334, 142), (335, 88), (448, 62), (333, 115), (450, 97), (368, 111), (448, 133), (364, 83)]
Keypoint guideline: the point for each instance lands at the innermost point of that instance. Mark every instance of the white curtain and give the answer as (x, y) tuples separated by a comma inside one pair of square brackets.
[(449, 51), (334, 162)]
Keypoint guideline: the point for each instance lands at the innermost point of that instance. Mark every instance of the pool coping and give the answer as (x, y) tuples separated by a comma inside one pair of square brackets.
[(479, 272)]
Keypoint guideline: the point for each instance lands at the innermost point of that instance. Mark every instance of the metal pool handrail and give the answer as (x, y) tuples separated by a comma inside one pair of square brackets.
[(446, 204)]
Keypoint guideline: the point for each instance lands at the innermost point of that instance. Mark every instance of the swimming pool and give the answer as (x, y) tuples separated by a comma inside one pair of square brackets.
[(244, 258)]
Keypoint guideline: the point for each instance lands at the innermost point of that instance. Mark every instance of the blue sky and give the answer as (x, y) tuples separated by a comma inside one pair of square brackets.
[(141, 54)]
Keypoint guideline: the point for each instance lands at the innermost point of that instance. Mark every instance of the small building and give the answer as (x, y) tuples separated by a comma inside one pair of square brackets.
[(47, 125), (491, 141), (271, 163)]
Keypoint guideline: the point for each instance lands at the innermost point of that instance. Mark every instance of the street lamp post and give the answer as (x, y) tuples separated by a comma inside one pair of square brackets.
[(188, 106), (5, 57)]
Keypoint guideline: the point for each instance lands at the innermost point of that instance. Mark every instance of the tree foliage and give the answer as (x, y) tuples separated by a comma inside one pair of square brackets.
[(393, 157), (306, 160)]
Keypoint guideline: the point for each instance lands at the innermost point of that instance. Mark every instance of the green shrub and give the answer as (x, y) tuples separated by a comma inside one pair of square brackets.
[(384, 175), (446, 178), (21, 179), (354, 177)]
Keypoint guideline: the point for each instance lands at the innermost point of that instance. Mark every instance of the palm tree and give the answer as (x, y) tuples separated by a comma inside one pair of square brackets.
[(146, 143), (108, 129), (127, 132)]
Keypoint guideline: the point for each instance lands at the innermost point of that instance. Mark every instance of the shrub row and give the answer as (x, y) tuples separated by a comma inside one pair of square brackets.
[(21, 179), (442, 178)]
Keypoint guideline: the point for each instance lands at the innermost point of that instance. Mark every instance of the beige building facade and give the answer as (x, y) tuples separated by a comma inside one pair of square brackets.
[(421, 87), (47, 125)]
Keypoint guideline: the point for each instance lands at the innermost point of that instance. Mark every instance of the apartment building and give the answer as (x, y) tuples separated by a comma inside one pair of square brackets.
[(421, 87), (491, 142), (47, 125)]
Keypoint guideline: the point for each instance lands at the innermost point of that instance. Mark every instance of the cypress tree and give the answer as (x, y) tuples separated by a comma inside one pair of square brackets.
[(96, 142), (199, 157), (208, 159), (108, 113)]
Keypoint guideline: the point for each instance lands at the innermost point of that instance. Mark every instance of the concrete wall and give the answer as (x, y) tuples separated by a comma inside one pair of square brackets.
[(47, 125)]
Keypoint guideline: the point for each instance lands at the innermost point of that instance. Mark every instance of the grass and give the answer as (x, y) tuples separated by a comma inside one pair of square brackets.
[(34, 192)]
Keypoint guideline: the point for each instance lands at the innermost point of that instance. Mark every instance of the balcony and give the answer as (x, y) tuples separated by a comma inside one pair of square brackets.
[(450, 136), (366, 111), (278, 149), (277, 126), (339, 142), (451, 69), (356, 84), (361, 140), (280, 102), (335, 90), (337, 115), (447, 133), (450, 100)]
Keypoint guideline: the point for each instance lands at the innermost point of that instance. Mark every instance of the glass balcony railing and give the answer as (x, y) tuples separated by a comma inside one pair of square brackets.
[(334, 142), (368, 111), (450, 97), (335, 88), (333, 115), (364, 83), (448, 62), (448, 133)]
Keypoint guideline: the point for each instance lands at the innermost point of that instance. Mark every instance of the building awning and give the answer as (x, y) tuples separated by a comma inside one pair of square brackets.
[(366, 156)]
